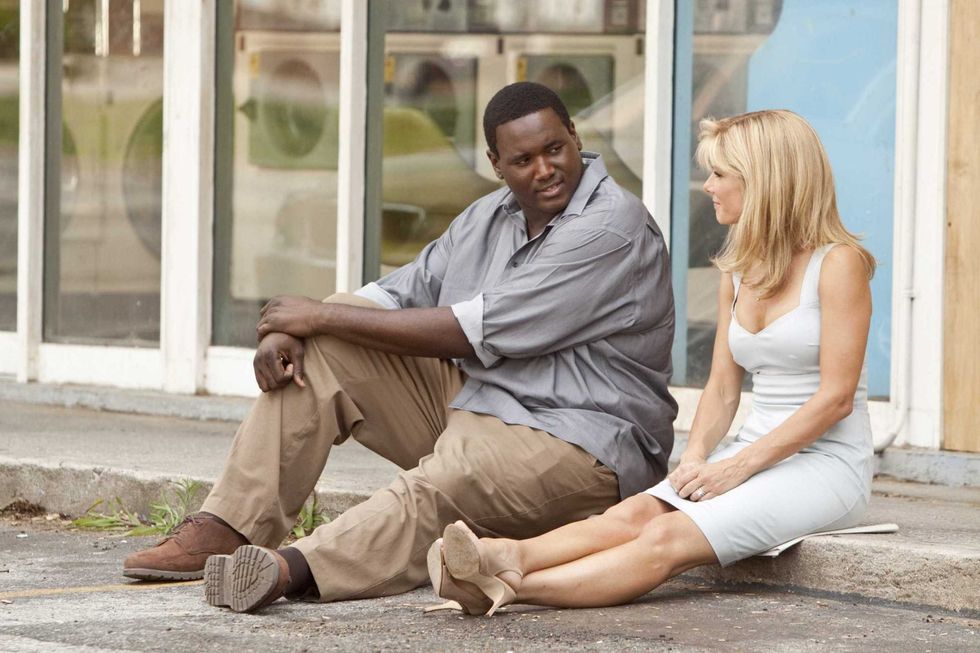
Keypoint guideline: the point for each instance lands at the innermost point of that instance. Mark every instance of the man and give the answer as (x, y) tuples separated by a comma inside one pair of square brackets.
[(517, 370)]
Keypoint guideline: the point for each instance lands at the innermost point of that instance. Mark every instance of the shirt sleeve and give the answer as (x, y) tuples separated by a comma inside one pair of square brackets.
[(581, 287), (469, 314), (417, 284)]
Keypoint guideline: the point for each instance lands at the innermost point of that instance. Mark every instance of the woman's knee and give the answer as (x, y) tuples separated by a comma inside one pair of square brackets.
[(635, 512), (675, 541)]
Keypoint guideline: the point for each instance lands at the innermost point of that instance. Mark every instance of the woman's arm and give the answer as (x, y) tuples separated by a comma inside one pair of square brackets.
[(845, 306), (719, 401)]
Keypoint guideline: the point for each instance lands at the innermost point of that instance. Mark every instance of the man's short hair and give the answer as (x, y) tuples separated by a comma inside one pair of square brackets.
[(516, 101)]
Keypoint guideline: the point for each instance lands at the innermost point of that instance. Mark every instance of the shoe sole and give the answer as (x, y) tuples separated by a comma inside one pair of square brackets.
[(240, 581), (160, 574), (459, 551)]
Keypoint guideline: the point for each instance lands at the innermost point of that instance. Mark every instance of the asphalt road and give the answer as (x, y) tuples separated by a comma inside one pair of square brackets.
[(60, 590)]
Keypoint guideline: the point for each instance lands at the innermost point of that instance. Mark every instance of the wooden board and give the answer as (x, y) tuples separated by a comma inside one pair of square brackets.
[(961, 329)]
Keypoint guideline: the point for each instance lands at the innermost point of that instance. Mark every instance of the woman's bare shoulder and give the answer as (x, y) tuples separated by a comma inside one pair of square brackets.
[(844, 266)]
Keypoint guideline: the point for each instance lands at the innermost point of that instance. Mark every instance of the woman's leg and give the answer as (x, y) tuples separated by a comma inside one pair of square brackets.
[(669, 544), (619, 524)]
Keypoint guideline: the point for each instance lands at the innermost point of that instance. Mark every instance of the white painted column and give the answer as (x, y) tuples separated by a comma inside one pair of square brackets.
[(188, 192), (924, 424), (352, 153), (658, 120), (30, 188)]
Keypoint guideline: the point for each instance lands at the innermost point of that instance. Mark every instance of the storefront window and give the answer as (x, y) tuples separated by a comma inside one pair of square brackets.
[(833, 62), (102, 238), (9, 136), (443, 63), (276, 164)]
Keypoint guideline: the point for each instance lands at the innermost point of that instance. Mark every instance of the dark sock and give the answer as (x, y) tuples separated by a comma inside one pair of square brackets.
[(300, 576)]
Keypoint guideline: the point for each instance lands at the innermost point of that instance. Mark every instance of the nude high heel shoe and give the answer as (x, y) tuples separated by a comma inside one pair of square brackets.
[(462, 595), (467, 560)]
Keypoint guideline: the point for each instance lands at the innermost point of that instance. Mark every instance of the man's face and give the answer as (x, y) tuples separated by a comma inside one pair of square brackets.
[(539, 160)]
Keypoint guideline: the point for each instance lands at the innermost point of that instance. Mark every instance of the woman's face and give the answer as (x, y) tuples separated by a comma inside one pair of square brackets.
[(726, 193)]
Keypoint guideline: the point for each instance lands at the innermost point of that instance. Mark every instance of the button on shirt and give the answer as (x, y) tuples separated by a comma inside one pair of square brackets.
[(572, 329)]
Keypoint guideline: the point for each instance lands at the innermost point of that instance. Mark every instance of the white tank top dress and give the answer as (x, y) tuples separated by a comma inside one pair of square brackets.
[(828, 483)]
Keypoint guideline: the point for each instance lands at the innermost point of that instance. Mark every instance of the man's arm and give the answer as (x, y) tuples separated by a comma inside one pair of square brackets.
[(430, 332)]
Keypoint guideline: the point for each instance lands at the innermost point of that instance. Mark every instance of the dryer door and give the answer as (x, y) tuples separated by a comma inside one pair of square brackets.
[(444, 88), (293, 109), (579, 80), (142, 180)]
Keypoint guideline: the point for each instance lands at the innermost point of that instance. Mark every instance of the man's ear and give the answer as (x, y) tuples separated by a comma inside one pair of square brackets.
[(571, 130), (494, 159)]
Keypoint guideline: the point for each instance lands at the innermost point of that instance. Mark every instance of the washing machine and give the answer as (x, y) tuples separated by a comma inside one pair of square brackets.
[(286, 127), (434, 166), (590, 52), (438, 78), (111, 164)]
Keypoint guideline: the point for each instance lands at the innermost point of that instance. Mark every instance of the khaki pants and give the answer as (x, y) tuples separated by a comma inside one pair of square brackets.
[(503, 480)]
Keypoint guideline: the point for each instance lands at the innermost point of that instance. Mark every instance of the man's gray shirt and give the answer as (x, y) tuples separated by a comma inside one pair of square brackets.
[(572, 329)]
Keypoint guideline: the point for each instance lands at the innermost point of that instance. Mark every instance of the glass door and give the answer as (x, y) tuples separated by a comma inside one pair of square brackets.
[(276, 163), (102, 234), (833, 62)]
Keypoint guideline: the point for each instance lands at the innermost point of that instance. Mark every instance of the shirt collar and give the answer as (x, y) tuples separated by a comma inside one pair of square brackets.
[(592, 175), (593, 172)]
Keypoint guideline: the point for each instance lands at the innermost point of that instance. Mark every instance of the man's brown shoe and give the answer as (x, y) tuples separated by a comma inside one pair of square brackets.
[(182, 554), (249, 579)]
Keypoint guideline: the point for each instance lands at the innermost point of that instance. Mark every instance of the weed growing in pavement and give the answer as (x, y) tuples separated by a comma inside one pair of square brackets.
[(165, 514), (117, 519), (171, 509), (311, 515)]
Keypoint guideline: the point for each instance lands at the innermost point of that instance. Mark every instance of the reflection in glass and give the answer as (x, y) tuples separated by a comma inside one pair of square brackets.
[(445, 60), (276, 164), (734, 56), (9, 137), (102, 248)]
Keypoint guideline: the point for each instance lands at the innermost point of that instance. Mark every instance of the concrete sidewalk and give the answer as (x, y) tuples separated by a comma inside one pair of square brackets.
[(66, 458), (60, 591)]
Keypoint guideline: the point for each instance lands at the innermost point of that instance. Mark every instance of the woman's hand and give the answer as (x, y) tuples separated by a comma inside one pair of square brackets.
[(703, 481), (686, 470), (297, 316)]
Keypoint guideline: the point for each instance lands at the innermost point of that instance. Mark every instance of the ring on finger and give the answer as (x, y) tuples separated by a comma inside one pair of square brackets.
[(698, 493)]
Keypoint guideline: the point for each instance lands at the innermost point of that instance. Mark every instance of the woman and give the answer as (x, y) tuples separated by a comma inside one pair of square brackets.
[(794, 307)]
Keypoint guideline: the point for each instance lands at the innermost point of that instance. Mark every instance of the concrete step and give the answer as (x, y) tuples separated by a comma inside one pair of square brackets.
[(66, 458)]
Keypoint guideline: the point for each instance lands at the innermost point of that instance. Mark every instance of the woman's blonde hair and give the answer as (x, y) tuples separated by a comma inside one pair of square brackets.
[(788, 198)]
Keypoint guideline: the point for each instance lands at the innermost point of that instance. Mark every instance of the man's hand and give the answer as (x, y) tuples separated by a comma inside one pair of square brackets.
[(279, 360), (296, 316)]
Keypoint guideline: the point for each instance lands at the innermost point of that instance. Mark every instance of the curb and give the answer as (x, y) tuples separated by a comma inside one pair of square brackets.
[(873, 568), (876, 567), (71, 489)]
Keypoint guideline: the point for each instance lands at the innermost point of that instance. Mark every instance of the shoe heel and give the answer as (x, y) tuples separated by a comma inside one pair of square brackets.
[(214, 580), (462, 561), (468, 599), (433, 560), (253, 572)]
